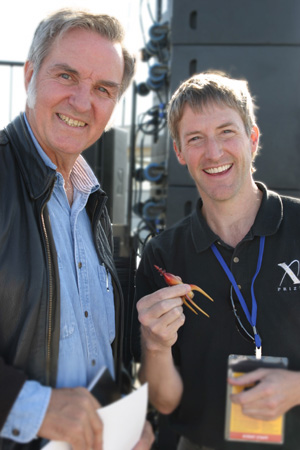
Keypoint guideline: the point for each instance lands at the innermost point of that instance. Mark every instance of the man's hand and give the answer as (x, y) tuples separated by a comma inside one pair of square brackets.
[(147, 438), (275, 392), (72, 417), (161, 315)]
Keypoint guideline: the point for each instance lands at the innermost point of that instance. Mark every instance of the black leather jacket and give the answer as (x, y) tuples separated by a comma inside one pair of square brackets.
[(29, 280)]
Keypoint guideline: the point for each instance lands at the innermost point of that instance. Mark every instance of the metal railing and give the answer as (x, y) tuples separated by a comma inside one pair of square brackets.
[(11, 65)]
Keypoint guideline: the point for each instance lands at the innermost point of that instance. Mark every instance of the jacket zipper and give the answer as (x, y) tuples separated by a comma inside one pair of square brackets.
[(49, 336), (50, 301)]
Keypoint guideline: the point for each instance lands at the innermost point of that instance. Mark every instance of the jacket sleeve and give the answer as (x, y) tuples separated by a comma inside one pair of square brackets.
[(11, 382)]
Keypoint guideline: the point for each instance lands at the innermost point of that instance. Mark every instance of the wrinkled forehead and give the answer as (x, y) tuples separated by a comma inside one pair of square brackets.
[(86, 46)]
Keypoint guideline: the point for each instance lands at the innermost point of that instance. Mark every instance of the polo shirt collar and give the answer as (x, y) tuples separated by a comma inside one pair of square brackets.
[(267, 221), (270, 213)]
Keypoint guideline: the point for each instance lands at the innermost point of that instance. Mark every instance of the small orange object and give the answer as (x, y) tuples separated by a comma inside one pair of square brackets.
[(172, 280)]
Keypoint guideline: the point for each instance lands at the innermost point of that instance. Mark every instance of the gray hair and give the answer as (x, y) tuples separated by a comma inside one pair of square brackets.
[(58, 23), (211, 87)]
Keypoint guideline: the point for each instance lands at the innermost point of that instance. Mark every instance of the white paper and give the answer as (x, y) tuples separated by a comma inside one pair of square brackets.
[(123, 422)]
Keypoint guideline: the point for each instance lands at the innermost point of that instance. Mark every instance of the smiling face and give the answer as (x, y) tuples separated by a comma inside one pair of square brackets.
[(217, 150), (76, 90)]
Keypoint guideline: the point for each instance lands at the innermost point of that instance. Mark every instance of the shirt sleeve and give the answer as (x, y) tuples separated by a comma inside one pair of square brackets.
[(11, 382), (27, 414)]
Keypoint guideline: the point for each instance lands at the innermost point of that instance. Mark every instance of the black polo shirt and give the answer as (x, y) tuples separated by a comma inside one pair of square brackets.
[(204, 344)]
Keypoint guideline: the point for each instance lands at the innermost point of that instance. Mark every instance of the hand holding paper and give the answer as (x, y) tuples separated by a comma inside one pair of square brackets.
[(123, 422)]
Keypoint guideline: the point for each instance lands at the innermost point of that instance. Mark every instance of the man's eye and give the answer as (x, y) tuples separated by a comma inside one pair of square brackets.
[(65, 76), (103, 90)]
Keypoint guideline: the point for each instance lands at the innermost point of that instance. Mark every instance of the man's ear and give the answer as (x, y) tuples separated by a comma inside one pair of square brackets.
[(254, 138), (28, 72), (179, 155)]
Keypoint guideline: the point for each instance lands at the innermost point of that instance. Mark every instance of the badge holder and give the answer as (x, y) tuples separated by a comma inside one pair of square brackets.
[(238, 426)]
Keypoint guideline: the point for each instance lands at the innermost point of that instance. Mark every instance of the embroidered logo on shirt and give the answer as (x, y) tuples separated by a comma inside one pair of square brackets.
[(290, 280)]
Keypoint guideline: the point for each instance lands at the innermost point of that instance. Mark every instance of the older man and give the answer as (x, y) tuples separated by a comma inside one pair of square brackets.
[(241, 245), (61, 317)]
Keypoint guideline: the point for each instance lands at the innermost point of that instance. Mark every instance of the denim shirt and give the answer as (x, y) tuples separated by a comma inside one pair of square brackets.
[(87, 326)]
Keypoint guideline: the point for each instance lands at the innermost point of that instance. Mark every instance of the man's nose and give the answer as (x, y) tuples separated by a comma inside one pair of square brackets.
[(213, 148), (80, 98)]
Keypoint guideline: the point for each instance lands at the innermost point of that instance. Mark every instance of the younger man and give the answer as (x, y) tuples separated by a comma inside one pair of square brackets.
[(239, 221)]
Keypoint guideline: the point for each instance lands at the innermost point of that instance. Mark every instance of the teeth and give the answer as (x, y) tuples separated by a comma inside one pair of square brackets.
[(71, 122), (218, 169)]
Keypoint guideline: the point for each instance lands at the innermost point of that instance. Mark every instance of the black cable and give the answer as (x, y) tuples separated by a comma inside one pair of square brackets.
[(139, 199), (153, 125)]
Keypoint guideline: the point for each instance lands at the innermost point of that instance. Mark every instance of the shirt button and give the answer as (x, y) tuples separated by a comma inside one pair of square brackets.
[(239, 286), (86, 313), (16, 432), (236, 259), (93, 362), (79, 265)]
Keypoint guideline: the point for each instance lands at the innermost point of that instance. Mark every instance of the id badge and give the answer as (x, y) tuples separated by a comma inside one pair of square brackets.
[(238, 426)]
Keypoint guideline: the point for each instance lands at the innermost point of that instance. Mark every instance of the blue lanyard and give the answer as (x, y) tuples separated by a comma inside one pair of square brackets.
[(251, 318)]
